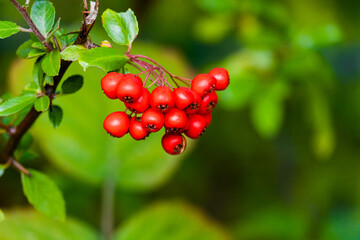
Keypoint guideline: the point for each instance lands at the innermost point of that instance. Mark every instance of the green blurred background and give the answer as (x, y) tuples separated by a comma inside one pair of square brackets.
[(280, 159)]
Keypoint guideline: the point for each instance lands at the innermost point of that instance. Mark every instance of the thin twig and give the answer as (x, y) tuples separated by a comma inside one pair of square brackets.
[(31, 24), (25, 30), (19, 167)]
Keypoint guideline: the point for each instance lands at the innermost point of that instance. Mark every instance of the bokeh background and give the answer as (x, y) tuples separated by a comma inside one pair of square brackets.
[(279, 161)]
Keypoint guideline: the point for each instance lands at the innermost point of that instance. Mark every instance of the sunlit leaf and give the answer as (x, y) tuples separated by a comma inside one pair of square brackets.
[(121, 27), (43, 194), (42, 103), (8, 28), (16, 104), (43, 15), (105, 58), (72, 53), (51, 63)]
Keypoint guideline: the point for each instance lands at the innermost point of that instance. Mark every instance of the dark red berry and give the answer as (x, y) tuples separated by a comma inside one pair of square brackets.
[(152, 120), (175, 120), (196, 126), (173, 143), (203, 83), (162, 99), (183, 97), (130, 88), (208, 118), (141, 104), (117, 124), (222, 78), (195, 105), (137, 130), (110, 82), (208, 103)]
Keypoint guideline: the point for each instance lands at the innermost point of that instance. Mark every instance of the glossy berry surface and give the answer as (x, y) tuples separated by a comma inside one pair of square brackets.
[(222, 78), (208, 103), (203, 83), (196, 126), (195, 105), (140, 105), (117, 124), (173, 143), (129, 88), (162, 99), (183, 97), (152, 120), (175, 120), (109, 84), (137, 130)]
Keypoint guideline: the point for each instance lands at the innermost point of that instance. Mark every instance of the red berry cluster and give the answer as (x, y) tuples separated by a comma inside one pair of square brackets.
[(183, 110)]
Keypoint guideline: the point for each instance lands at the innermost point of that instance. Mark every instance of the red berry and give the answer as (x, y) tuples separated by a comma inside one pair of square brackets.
[(117, 124), (208, 118), (141, 104), (130, 88), (203, 83), (137, 130), (196, 126), (208, 103), (175, 120), (152, 120), (110, 82), (222, 78), (183, 97), (173, 143), (195, 105), (162, 99)]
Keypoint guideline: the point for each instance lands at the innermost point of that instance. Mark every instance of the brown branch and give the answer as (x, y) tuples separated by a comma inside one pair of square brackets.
[(19, 167), (31, 24), (19, 131)]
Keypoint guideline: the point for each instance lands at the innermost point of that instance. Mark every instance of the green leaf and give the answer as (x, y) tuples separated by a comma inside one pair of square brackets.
[(24, 49), (38, 45), (38, 73), (51, 63), (16, 104), (121, 27), (42, 103), (54, 28), (72, 53), (105, 58), (43, 15), (8, 28), (43, 194), (72, 84), (31, 88), (55, 115), (48, 80), (36, 53), (175, 219), (37, 226), (2, 216)]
